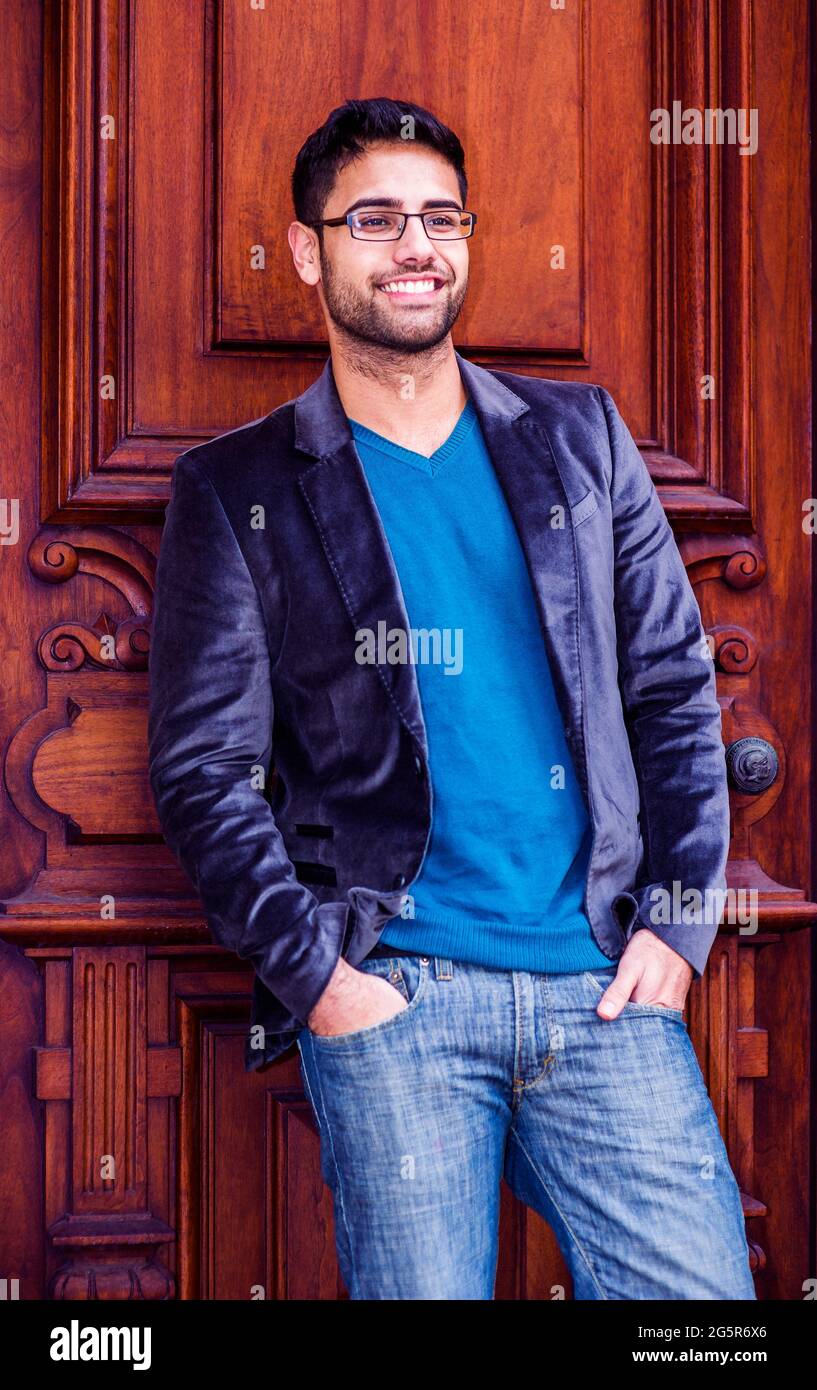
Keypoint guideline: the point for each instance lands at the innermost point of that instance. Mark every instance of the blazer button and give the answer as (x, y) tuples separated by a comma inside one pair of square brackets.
[(399, 881), (418, 764)]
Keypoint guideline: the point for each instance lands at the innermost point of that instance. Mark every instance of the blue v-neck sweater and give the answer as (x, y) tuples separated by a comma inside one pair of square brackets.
[(502, 882)]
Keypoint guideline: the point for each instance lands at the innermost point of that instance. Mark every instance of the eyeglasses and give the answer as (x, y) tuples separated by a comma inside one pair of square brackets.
[(441, 224)]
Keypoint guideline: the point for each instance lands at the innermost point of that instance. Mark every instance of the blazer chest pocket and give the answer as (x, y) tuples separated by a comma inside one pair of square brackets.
[(584, 508)]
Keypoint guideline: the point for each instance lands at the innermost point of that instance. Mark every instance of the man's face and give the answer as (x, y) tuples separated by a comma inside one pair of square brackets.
[(353, 271)]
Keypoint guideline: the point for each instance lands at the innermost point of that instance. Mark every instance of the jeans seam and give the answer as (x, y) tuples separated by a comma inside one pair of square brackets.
[(522, 1086), (340, 1202), (308, 1089), (550, 1060), (573, 1236)]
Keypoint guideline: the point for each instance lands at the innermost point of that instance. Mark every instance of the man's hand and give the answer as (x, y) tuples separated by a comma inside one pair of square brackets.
[(354, 1000), (651, 968)]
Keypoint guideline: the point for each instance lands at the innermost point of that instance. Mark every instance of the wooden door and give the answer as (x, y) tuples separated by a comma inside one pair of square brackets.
[(147, 150)]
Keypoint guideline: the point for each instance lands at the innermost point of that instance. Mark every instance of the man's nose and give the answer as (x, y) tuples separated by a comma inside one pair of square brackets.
[(415, 241)]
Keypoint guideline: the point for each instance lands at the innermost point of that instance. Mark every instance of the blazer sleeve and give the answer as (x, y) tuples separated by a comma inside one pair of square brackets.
[(209, 728), (667, 685)]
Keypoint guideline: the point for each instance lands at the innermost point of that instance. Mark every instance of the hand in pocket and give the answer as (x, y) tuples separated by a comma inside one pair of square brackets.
[(354, 1001)]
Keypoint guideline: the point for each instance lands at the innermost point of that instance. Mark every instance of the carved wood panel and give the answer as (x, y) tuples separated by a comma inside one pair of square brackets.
[(196, 321)]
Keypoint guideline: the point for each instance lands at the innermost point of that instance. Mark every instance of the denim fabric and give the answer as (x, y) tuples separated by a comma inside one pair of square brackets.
[(604, 1127), (273, 556)]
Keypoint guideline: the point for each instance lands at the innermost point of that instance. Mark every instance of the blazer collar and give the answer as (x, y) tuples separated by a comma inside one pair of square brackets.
[(321, 425)]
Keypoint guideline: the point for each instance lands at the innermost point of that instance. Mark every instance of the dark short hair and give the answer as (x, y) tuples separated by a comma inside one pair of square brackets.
[(344, 136)]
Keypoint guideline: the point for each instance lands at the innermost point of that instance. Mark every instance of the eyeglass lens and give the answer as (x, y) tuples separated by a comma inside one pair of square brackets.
[(441, 224)]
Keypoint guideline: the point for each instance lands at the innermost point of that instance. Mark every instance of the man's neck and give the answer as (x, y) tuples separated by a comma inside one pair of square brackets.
[(413, 399)]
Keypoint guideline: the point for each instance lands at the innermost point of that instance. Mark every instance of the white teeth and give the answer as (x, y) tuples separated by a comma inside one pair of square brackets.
[(409, 287)]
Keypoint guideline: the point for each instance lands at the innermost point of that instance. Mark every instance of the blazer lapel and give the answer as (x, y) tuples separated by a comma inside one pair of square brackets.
[(351, 532), (537, 500)]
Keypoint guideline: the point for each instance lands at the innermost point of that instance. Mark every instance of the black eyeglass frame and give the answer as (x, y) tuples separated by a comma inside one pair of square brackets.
[(429, 212)]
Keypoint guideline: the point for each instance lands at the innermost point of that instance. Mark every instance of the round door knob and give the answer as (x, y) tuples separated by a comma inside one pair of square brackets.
[(751, 765)]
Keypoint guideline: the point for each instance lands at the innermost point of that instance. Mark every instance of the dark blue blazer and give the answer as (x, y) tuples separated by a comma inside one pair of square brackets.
[(273, 555)]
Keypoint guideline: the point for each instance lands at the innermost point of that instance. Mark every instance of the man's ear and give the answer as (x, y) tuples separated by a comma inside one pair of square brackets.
[(303, 243)]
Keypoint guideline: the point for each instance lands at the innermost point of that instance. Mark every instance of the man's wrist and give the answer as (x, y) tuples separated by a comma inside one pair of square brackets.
[(342, 979)]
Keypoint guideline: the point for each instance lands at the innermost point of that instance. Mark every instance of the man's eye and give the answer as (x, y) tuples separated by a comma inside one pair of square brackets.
[(371, 221)]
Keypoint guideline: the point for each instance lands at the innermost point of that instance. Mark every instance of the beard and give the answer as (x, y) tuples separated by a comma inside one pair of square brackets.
[(357, 311)]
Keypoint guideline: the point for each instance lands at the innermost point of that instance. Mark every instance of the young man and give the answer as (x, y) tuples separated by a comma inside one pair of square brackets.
[(446, 605)]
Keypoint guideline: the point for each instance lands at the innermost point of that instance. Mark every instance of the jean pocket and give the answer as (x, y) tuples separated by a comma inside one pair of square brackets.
[(408, 975), (607, 976)]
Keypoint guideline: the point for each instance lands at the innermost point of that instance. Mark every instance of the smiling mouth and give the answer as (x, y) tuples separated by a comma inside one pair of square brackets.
[(419, 289)]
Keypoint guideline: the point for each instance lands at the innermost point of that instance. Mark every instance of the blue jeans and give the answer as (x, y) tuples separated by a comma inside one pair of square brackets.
[(604, 1127)]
